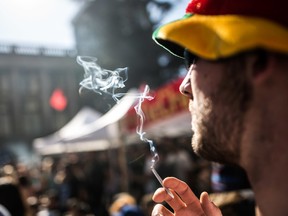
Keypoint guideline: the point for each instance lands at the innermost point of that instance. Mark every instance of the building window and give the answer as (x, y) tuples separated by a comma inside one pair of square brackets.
[(5, 125)]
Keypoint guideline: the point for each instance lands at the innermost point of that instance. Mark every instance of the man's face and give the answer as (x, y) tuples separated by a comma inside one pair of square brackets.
[(220, 96)]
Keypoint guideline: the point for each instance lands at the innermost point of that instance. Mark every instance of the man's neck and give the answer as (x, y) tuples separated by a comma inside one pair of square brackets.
[(264, 150), (269, 182)]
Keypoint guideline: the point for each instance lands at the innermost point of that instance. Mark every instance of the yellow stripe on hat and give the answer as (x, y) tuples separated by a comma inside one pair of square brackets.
[(220, 36)]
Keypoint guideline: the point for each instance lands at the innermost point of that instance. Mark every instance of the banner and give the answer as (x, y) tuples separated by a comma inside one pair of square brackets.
[(167, 102)]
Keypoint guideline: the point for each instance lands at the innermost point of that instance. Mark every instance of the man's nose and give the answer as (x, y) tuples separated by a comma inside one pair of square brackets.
[(185, 87)]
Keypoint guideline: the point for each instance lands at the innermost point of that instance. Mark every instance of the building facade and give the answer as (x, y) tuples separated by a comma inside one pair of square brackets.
[(28, 78)]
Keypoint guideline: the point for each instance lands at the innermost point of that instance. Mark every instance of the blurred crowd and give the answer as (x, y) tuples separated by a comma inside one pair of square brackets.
[(91, 183)]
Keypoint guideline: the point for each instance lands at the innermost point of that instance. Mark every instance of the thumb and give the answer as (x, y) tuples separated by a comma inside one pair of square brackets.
[(209, 208)]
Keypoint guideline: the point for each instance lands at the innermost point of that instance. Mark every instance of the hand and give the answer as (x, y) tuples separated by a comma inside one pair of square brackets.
[(184, 203)]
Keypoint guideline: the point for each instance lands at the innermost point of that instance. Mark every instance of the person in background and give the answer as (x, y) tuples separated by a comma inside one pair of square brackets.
[(11, 200), (124, 204), (237, 83)]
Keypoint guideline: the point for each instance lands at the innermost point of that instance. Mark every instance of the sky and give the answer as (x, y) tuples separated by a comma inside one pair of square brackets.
[(44, 23), (177, 11), (47, 23)]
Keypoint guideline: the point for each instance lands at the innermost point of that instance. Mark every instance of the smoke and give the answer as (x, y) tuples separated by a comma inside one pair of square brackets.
[(139, 129), (103, 81)]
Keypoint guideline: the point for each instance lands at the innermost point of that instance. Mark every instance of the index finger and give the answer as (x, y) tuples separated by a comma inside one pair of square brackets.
[(182, 189)]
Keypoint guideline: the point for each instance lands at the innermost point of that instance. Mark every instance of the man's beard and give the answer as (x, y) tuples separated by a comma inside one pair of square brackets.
[(218, 122)]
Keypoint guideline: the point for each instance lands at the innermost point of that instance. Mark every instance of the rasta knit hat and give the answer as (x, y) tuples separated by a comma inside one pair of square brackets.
[(214, 29)]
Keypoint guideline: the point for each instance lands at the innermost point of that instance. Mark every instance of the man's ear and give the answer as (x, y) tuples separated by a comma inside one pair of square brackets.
[(261, 64)]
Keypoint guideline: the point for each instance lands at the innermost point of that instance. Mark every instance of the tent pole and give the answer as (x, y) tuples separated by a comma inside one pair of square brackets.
[(123, 160)]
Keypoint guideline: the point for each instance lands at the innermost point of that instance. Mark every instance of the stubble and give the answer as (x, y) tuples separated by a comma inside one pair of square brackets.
[(218, 122)]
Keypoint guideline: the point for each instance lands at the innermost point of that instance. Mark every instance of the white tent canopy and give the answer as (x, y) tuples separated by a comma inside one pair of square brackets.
[(91, 131), (87, 131)]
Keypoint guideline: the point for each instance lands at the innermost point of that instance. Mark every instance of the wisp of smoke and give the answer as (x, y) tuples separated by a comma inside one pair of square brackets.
[(139, 129), (103, 81), (141, 133)]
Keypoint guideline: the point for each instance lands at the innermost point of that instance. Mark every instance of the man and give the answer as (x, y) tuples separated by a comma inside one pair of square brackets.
[(237, 83)]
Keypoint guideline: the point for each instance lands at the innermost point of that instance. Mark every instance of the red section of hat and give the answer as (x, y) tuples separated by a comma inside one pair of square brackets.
[(204, 7), (275, 10)]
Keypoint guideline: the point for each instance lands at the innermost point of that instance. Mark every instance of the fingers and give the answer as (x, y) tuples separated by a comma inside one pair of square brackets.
[(160, 210), (161, 195), (209, 207), (183, 190), (184, 201)]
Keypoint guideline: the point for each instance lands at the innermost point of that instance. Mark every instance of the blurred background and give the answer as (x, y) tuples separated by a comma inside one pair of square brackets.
[(59, 167), (39, 42)]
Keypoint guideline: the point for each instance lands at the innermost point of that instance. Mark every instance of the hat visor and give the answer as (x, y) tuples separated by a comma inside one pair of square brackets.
[(214, 37)]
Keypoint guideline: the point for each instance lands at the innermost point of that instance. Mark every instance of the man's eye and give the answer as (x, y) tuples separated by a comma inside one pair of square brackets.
[(189, 58)]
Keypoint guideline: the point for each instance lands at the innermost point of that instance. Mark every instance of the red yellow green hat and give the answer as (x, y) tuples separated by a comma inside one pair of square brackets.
[(214, 29)]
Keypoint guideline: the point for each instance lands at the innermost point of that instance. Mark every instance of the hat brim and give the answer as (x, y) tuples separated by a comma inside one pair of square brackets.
[(214, 37)]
